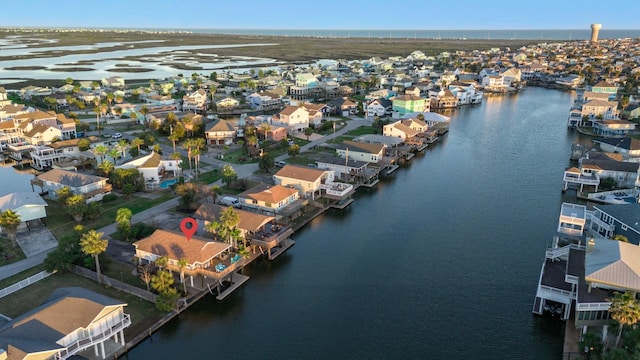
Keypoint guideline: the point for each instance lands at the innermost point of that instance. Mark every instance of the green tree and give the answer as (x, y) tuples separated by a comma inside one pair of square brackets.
[(67, 253), (77, 207), (123, 220), (227, 227), (620, 238), (63, 194), (137, 142), (266, 162), (162, 282), (92, 243), (9, 222), (68, 81), (308, 132), (84, 144), (106, 167), (293, 150), (94, 210), (624, 309), (228, 175)]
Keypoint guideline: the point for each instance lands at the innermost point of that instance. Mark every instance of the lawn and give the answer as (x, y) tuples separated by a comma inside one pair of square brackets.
[(60, 223), (210, 177), (143, 313), (363, 130), (238, 156), (123, 272), (8, 253)]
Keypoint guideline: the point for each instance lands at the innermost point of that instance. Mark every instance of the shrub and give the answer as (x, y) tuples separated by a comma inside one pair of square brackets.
[(110, 197), (141, 230)]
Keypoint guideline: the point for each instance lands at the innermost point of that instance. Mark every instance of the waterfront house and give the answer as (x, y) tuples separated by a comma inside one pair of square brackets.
[(312, 182), (205, 258), (222, 132), (620, 219), (613, 127), (93, 188), (606, 88), (24, 123), (160, 100), (510, 76), (72, 321), (371, 153), (227, 104), (603, 165), (445, 98), (304, 84), (259, 230), (404, 104), (29, 91), (264, 100), (64, 154), (273, 200), (349, 170), (195, 101), (153, 168), (628, 147), (28, 205)]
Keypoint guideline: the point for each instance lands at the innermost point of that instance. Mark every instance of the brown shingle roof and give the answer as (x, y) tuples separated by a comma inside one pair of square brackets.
[(300, 172), (175, 246), (248, 221), (363, 147), (69, 178), (270, 194)]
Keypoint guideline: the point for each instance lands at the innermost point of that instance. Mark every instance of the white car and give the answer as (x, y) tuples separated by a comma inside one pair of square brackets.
[(116, 136)]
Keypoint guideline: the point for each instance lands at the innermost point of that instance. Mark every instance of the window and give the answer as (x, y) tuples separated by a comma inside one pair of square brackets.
[(624, 227)]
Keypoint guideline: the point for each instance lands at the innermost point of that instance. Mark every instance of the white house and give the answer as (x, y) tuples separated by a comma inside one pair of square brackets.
[(153, 168), (93, 188), (71, 321), (295, 117), (28, 205), (371, 153)]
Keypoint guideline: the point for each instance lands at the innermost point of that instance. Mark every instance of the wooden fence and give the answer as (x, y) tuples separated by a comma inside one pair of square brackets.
[(116, 284)]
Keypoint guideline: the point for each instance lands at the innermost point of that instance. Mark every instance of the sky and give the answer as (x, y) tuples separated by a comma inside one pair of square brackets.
[(325, 14)]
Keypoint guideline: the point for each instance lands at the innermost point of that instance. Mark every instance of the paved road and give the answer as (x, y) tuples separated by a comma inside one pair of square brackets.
[(123, 250)]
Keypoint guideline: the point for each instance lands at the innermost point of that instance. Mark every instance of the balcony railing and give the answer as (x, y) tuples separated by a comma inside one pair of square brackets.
[(592, 306), (84, 343), (558, 292), (580, 179), (602, 224)]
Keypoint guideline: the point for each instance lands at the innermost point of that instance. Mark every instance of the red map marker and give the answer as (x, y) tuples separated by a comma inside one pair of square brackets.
[(188, 231)]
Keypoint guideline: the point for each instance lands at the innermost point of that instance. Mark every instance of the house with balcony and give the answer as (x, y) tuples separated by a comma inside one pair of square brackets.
[(93, 188), (28, 205), (160, 100), (153, 168), (313, 182), (605, 88), (114, 82), (620, 219), (227, 104), (264, 100), (343, 106), (411, 131), (317, 112), (208, 261), (195, 101), (72, 322), (613, 128), (305, 83), (272, 200), (350, 171), (404, 104), (259, 230), (25, 123), (611, 165), (222, 132)]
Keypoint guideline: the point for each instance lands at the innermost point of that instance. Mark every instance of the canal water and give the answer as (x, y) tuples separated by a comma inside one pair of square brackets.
[(439, 261)]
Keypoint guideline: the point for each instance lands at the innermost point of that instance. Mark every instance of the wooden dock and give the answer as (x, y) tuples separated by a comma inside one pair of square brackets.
[(238, 280)]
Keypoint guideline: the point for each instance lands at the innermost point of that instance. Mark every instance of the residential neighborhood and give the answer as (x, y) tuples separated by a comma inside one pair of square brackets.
[(203, 175)]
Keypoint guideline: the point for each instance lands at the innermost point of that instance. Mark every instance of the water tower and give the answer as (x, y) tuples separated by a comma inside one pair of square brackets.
[(595, 29)]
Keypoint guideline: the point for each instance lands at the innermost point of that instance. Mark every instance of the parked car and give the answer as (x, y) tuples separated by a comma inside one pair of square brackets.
[(280, 163), (116, 136), (230, 201)]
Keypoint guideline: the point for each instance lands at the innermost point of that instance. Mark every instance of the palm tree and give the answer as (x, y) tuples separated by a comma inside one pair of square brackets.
[(100, 151), (122, 146), (162, 262), (113, 153), (106, 167), (198, 145), (137, 142), (624, 309), (188, 145), (173, 137), (92, 243), (10, 221), (182, 263)]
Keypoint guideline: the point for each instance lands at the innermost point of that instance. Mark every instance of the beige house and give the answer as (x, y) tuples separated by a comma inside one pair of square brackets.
[(222, 132), (371, 153), (307, 180), (294, 117), (268, 199)]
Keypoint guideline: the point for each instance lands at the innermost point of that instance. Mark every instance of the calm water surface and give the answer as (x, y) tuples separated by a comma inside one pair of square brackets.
[(440, 261), (15, 179)]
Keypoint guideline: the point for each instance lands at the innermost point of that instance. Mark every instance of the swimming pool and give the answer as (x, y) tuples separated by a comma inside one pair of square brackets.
[(167, 183)]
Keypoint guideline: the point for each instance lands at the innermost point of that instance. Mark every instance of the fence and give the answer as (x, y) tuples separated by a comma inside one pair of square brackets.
[(129, 289), (24, 283)]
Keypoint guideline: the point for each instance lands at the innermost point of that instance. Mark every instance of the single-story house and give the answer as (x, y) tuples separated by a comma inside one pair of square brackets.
[(92, 187), (28, 205)]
